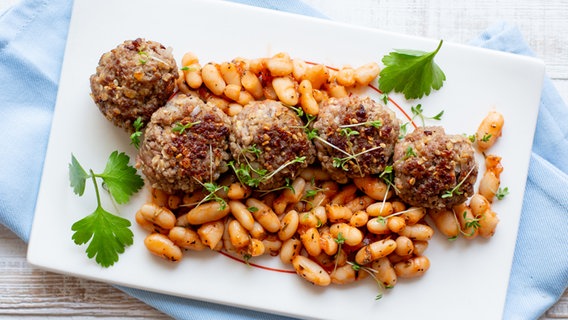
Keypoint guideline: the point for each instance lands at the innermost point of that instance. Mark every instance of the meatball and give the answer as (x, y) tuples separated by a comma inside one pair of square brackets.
[(356, 137), (269, 142), (133, 80), (185, 144), (434, 169)]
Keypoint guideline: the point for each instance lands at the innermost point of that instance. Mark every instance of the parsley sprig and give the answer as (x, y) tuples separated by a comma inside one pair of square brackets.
[(107, 233), (412, 72)]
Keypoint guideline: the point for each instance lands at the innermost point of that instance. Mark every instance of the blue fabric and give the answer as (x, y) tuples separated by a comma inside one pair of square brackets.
[(32, 40)]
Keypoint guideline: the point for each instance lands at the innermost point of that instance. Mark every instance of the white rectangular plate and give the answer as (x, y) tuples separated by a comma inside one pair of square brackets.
[(467, 279)]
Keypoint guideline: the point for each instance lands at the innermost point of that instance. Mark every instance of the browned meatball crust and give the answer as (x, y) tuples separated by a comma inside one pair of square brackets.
[(185, 144), (356, 137), (430, 164), (133, 80), (268, 137)]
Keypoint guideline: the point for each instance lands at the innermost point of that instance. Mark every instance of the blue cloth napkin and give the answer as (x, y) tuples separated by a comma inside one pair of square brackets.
[(32, 41)]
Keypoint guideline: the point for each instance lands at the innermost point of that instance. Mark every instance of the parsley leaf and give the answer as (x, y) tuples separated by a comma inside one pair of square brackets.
[(77, 176), (121, 179), (109, 235), (411, 72)]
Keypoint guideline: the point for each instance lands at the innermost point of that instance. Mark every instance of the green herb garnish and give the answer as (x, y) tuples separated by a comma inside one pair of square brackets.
[(412, 72), (135, 137), (107, 233)]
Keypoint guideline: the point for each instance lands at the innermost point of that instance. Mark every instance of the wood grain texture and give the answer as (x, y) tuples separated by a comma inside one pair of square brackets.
[(30, 293)]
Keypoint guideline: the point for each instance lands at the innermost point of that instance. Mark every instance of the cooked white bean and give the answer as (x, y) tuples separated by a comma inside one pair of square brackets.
[(404, 246), (285, 89), (346, 76), (290, 249), (311, 241), (264, 215), (299, 69), (289, 225), (230, 74), (417, 232), (337, 213), (413, 267), (374, 251), (252, 84), (258, 231), (385, 272), (346, 194), (239, 235), (147, 225), (489, 130), (255, 248), (211, 233), (240, 211), (420, 247), (207, 212), (366, 73), (159, 197), (272, 245), (359, 219), (317, 75), (413, 214), (279, 65), (307, 100), (380, 209), (343, 275), (289, 195), (445, 222), (352, 235), (161, 246), (186, 238), (488, 223), (212, 79), (466, 220), (489, 185), (360, 203), (327, 242), (378, 226), (238, 191), (159, 216), (374, 187), (396, 224), (311, 271)]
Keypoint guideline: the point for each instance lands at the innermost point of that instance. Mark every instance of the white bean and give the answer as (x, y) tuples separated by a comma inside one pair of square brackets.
[(311, 271)]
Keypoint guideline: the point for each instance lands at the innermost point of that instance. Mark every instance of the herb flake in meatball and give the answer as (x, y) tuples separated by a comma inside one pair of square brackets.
[(434, 169)]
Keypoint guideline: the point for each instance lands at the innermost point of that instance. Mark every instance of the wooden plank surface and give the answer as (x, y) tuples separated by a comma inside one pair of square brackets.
[(30, 293)]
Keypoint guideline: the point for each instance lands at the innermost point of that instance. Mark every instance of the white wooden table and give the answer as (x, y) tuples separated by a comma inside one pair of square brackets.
[(29, 293)]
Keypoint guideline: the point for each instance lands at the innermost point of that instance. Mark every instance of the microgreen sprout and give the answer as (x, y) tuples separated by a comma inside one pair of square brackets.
[(403, 130), (455, 190), (135, 137), (342, 162), (212, 189), (348, 132), (502, 193), (340, 240), (417, 111), (180, 128), (486, 137), (384, 98), (372, 272), (375, 123), (409, 153)]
